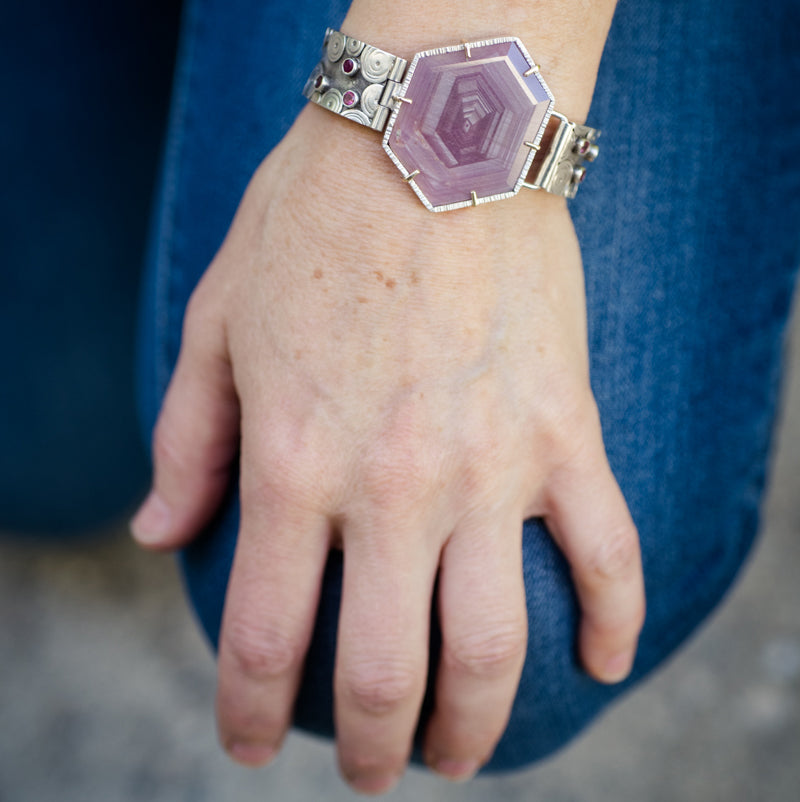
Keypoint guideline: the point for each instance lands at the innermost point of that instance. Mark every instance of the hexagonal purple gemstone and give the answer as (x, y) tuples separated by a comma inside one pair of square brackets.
[(466, 129)]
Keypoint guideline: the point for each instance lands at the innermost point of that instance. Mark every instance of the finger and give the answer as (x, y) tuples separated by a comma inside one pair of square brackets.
[(195, 439), (590, 521), (382, 652), (484, 636), (269, 615)]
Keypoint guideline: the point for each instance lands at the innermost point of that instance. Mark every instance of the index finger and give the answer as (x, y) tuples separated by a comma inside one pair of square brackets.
[(590, 521)]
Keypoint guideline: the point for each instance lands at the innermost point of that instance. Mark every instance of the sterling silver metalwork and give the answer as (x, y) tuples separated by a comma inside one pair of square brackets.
[(365, 84), (373, 83), (564, 166)]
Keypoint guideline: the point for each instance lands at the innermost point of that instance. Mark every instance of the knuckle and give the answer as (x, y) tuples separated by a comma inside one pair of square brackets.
[(262, 654), (487, 655), (566, 417), (484, 457), (380, 688), (394, 477), (487, 487), (289, 468), (614, 557)]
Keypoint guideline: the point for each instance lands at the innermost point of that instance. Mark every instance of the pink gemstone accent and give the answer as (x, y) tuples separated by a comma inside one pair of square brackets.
[(348, 66), (349, 98), (466, 128), (584, 148), (318, 83)]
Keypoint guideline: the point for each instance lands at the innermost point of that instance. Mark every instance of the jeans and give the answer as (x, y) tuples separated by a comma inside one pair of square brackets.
[(84, 90), (688, 227)]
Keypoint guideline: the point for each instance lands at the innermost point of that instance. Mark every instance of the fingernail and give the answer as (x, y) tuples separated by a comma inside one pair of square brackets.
[(618, 667), (152, 522), (251, 753), (457, 770), (374, 783)]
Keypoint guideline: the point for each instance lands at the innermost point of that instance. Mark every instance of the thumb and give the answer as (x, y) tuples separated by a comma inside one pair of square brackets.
[(195, 438)]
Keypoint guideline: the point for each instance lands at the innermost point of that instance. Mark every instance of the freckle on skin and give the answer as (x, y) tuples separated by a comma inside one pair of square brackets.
[(391, 283), (362, 300), (318, 273), (298, 354), (415, 277), (379, 275)]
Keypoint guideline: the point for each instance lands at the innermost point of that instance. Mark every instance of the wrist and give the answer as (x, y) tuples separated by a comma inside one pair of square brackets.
[(465, 124), (365, 202)]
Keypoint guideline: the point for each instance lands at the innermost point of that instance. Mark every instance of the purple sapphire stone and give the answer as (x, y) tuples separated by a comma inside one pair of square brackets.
[(349, 98), (466, 127)]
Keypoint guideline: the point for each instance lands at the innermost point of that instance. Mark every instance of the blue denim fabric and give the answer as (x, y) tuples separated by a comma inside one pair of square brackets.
[(689, 230), (84, 91)]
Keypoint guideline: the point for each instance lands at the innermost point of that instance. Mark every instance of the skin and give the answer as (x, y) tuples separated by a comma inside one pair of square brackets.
[(412, 407)]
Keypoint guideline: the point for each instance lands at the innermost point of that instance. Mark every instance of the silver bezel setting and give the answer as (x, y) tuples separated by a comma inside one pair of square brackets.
[(467, 47)]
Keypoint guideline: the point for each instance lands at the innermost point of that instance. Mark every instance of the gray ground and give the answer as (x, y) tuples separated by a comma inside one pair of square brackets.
[(106, 691)]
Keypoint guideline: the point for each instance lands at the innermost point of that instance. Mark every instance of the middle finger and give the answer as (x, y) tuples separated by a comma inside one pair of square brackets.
[(382, 653)]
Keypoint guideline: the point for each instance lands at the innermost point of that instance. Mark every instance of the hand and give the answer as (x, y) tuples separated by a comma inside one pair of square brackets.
[(409, 387)]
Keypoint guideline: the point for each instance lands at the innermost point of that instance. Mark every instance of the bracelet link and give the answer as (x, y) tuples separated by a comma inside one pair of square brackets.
[(356, 80), (564, 165)]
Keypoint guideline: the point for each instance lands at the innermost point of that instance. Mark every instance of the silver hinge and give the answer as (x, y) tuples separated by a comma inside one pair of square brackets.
[(564, 165)]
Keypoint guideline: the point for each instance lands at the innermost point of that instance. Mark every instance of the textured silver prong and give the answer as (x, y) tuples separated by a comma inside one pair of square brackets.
[(474, 196), (468, 50), (411, 176), (531, 71)]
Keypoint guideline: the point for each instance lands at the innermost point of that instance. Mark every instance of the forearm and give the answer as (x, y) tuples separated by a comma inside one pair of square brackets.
[(565, 38)]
